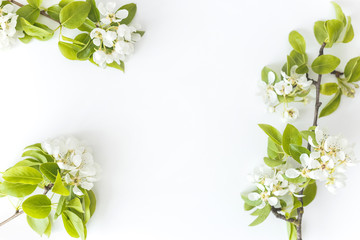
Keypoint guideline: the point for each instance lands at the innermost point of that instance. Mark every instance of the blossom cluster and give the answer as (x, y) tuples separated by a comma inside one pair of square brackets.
[(75, 160), (272, 187), (8, 21), (291, 88), (327, 163), (114, 41)]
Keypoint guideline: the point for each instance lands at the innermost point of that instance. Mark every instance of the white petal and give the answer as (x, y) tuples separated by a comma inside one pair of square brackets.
[(292, 173), (273, 201), (271, 77), (77, 191), (253, 196), (122, 14)]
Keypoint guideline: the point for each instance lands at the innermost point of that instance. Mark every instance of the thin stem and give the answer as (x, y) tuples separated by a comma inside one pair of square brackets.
[(275, 211), (337, 73), (42, 12), (19, 212)]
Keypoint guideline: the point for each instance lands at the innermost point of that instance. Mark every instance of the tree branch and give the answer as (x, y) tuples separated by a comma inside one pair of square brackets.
[(18, 212), (42, 12), (275, 211), (337, 73)]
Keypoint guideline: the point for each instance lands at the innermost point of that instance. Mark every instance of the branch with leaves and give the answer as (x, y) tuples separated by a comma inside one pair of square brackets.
[(62, 167), (107, 37), (298, 160)]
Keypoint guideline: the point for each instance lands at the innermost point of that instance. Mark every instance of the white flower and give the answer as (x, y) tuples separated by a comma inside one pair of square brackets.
[(102, 58), (75, 160), (100, 35), (290, 114), (8, 8), (268, 93), (310, 167), (264, 196), (283, 88), (8, 33), (296, 79), (124, 48), (110, 14), (128, 33), (335, 181)]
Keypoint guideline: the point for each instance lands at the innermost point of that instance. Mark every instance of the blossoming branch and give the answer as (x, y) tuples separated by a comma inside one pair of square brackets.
[(64, 167), (297, 160), (108, 38)]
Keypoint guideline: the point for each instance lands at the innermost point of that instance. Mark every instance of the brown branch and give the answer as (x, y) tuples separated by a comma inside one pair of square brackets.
[(42, 12), (337, 73), (18, 212), (275, 211)]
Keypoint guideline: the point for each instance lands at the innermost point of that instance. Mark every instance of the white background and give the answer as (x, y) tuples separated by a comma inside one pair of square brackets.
[(177, 134)]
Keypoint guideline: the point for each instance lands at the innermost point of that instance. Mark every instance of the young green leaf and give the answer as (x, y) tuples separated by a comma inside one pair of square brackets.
[(75, 222), (349, 32), (265, 74), (247, 207), (54, 12), (36, 146), (329, 88), (28, 163), (352, 70), (302, 69), (297, 41), (334, 28), (131, 8), (37, 30), (73, 15), (274, 150), (35, 3), (92, 202), (50, 170), (69, 226), (59, 187), (263, 214), (26, 175), (120, 67), (310, 193), (325, 64), (271, 162), (37, 206), (272, 132), (296, 151), (339, 13), (69, 50), (38, 225), (87, 26), (63, 3), (17, 189), (76, 205), (291, 136), (60, 207), (332, 105), (29, 13), (35, 154), (292, 232), (320, 32)]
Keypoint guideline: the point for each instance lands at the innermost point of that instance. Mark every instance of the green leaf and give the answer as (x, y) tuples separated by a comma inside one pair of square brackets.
[(306, 134), (291, 136), (325, 64), (251, 203), (310, 193), (26, 39), (121, 67), (84, 38), (349, 32), (339, 13), (92, 202), (69, 50), (263, 214), (74, 223), (17, 189), (320, 32), (26, 175), (299, 179), (37, 30), (94, 14), (274, 150), (297, 41), (73, 15), (329, 88), (265, 75), (247, 207), (86, 205), (35, 3), (75, 204), (59, 187), (36, 155), (29, 13), (296, 151), (292, 232), (298, 58), (37, 206), (54, 12), (132, 11), (87, 26), (352, 70), (63, 3), (332, 105), (334, 28), (60, 207), (38, 225), (48, 230), (87, 51), (272, 132), (28, 163), (69, 226), (36, 146), (271, 162), (302, 69), (50, 170)]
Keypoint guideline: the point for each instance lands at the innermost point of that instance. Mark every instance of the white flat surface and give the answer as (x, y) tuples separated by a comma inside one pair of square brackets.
[(177, 134)]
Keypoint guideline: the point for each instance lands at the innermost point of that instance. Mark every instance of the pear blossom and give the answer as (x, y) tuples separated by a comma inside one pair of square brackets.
[(75, 160), (268, 91), (296, 79), (290, 114), (109, 13), (8, 22), (99, 36), (283, 88)]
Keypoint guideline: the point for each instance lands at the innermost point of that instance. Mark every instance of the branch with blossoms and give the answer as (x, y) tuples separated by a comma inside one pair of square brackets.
[(107, 37), (296, 160), (62, 167)]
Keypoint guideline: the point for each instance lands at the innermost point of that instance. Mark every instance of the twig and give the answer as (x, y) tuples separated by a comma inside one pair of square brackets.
[(275, 211), (337, 73), (19, 212), (42, 12)]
